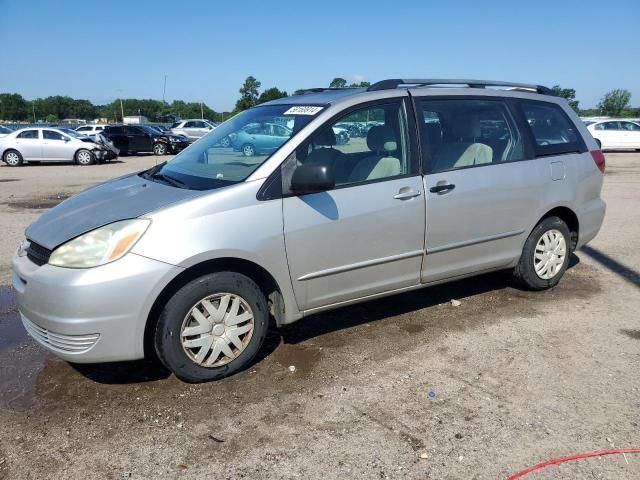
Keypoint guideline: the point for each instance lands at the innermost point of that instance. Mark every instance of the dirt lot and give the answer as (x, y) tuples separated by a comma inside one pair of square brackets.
[(406, 387)]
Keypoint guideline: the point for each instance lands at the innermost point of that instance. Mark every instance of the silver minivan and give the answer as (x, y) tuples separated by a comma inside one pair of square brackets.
[(441, 179)]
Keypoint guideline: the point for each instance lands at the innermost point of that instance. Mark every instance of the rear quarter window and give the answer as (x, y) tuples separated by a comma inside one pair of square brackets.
[(551, 129)]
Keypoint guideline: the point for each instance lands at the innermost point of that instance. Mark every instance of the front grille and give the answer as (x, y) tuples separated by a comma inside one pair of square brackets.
[(37, 253), (58, 341)]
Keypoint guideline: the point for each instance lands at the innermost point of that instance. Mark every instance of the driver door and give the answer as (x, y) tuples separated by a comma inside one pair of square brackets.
[(366, 235)]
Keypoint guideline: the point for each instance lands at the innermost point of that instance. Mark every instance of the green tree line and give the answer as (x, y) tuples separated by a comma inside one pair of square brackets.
[(13, 107)]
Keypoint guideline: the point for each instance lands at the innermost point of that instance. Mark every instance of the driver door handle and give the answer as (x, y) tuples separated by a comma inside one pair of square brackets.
[(405, 194)]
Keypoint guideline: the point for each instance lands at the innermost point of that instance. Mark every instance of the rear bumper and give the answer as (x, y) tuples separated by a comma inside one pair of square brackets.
[(90, 315)]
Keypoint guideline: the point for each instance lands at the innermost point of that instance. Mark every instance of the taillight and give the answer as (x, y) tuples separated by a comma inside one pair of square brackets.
[(598, 157)]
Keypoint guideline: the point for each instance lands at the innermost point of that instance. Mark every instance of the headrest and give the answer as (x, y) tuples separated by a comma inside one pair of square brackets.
[(381, 139), (325, 137), (466, 127)]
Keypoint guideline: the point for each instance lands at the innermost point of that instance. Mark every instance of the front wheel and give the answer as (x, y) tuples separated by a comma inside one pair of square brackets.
[(212, 327), (12, 158), (545, 256), (85, 157), (159, 148)]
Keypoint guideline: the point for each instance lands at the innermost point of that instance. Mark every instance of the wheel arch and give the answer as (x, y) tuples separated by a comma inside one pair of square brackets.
[(568, 216), (265, 281)]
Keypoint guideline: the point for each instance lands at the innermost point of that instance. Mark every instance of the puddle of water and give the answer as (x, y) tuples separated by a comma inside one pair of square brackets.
[(635, 334), (38, 203), (11, 330)]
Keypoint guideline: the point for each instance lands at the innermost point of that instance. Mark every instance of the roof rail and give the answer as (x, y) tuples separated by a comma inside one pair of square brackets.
[(396, 82)]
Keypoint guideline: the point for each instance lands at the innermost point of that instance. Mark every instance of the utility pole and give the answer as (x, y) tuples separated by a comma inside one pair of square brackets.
[(164, 88), (201, 111), (121, 109), (34, 112)]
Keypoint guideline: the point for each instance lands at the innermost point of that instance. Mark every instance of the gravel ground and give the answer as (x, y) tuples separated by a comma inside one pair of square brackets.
[(405, 387)]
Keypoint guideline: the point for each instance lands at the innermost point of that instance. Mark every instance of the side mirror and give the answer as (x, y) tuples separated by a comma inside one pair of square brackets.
[(312, 178)]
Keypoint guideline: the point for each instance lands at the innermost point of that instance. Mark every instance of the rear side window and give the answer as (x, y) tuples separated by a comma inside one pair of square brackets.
[(52, 135), (634, 127), (552, 130), (28, 134), (464, 133)]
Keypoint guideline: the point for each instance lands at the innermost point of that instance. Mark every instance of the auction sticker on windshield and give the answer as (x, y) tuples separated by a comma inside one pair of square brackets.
[(303, 110)]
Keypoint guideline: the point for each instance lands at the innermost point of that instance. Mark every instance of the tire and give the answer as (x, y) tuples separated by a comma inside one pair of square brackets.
[(183, 355), (248, 150), (159, 148), (13, 158), (85, 157), (225, 142), (534, 276)]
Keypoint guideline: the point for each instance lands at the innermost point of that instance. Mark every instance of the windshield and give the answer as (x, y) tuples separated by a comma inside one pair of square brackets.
[(231, 152), (72, 133), (5, 130)]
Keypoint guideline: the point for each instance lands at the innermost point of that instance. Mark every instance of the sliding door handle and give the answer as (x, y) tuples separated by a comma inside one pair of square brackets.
[(442, 188)]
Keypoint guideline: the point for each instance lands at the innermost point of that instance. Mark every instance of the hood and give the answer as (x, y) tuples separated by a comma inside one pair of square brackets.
[(119, 199)]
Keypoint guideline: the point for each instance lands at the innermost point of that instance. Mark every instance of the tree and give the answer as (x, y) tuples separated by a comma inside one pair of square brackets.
[(271, 94), (248, 94), (569, 94), (362, 84), (50, 118), (614, 102), (13, 107), (338, 82)]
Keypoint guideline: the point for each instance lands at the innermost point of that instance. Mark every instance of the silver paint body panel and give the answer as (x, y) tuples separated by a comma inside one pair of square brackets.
[(324, 250)]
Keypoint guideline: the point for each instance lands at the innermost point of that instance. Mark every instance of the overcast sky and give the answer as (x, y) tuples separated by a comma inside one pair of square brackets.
[(107, 49)]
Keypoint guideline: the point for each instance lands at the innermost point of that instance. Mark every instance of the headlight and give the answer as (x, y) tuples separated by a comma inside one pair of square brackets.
[(100, 246), (175, 139)]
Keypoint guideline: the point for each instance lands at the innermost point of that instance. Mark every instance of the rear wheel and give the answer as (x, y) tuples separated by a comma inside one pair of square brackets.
[(225, 142), (12, 158), (545, 255), (248, 150), (85, 157), (212, 327)]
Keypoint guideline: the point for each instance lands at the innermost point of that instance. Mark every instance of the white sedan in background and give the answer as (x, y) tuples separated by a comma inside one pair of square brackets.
[(53, 145), (616, 134)]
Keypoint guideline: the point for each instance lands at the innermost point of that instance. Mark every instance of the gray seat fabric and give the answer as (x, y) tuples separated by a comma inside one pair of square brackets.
[(460, 148), (381, 140)]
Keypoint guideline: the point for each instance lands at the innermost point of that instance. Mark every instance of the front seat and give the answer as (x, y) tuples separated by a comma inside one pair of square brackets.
[(460, 148), (381, 140), (324, 153)]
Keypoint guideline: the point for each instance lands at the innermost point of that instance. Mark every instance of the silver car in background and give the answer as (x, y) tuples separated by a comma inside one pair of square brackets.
[(192, 257), (54, 145), (193, 129)]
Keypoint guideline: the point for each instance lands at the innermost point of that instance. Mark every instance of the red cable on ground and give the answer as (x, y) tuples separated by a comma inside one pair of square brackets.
[(556, 461)]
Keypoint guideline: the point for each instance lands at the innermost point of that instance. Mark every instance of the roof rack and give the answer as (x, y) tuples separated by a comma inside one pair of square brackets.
[(305, 91), (396, 82)]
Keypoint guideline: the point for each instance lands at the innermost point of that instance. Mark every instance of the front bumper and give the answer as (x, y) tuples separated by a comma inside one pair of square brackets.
[(90, 315), (176, 147)]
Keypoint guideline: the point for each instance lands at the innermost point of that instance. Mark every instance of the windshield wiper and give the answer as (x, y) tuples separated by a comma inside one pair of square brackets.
[(170, 180)]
